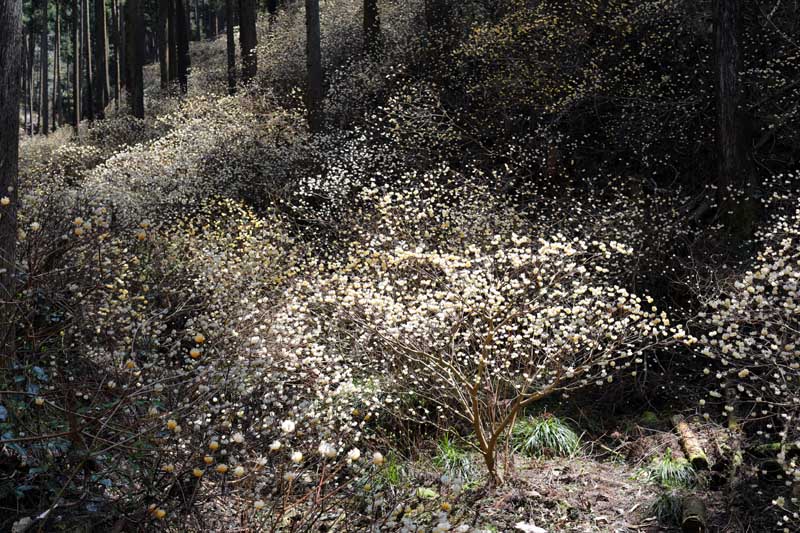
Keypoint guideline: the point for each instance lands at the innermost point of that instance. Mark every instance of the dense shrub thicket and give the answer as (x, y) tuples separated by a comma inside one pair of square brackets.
[(226, 319)]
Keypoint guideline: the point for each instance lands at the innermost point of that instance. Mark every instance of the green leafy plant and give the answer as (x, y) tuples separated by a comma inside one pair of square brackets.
[(667, 507), (392, 472), (545, 435), (454, 460), (669, 471)]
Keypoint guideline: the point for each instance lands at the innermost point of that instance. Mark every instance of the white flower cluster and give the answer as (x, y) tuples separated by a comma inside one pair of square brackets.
[(752, 341)]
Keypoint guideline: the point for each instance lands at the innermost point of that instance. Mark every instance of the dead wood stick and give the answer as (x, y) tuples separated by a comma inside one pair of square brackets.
[(691, 444)]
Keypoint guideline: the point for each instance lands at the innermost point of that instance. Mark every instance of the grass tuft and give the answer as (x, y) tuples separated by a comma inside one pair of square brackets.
[(545, 435), (667, 508), (669, 472), (454, 461)]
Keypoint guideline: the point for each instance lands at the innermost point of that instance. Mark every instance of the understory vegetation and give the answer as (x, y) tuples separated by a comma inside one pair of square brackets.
[(485, 287)]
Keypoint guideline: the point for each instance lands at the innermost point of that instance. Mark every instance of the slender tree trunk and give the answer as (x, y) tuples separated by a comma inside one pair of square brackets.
[(115, 21), (76, 71), (57, 112), (182, 35), (87, 55), (372, 27), (198, 34), (187, 12), (123, 46), (23, 82), (37, 97), (734, 166), (10, 44), (209, 18), (31, 68), (161, 36), (172, 40), (134, 28), (44, 94), (26, 77), (231, 46), (314, 91), (101, 89), (272, 9), (248, 39)]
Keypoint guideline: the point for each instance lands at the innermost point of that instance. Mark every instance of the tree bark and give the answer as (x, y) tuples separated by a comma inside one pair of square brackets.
[(57, 112), (182, 36), (76, 71), (734, 165), (161, 36), (198, 24), (209, 20), (248, 39), (123, 44), (101, 88), (372, 27), (172, 40), (87, 54), (31, 68), (26, 82), (272, 9), (44, 94), (314, 91), (231, 46), (134, 36), (115, 21), (10, 53)]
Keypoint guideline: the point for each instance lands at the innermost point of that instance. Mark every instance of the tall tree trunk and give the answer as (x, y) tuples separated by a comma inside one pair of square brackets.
[(187, 11), (44, 94), (248, 39), (101, 89), (57, 69), (209, 18), (123, 46), (734, 165), (161, 36), (116, 35), (198, 34), (172, 40), (31, 68), (372, 27), (182, 36), (26, 83), (37, 97), (134, 35), (272, 9), (10, 44), (87, 55), (76, 71), (314, 92), (231, 46)]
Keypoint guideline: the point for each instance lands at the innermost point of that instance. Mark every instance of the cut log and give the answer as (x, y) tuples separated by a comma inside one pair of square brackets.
[(691, 444), (693, 515)]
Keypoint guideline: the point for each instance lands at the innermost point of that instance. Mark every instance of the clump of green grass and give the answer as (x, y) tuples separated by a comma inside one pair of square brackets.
[(392, 473), (668, 471), (454, 461), (667, 507), (649, 418), (544, 435)]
